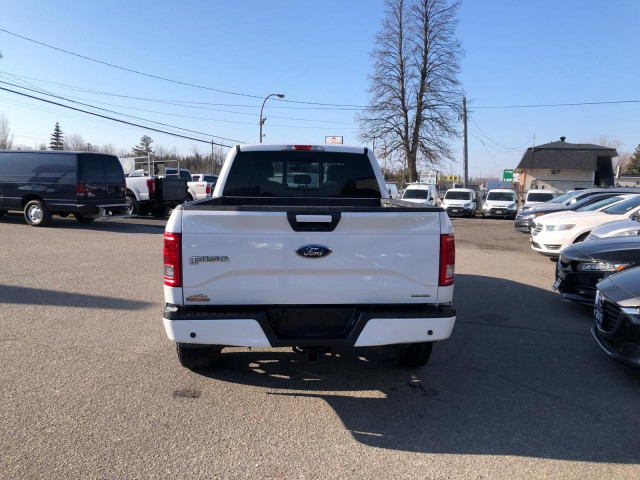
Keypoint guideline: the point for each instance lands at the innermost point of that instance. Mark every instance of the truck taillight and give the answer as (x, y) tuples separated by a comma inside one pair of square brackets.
[(151, 185), (447, 259), (208, 189), (172, 263), (81, 189)]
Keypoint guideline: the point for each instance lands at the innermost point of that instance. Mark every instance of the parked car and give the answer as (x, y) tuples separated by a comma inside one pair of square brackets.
[(537, 197), (52, 182), (500, 203), (196, 190), (554, 232), (204, 177), (617, 316), (393, 190), (155, 195), (622, 228), (306, 262), (460, 202), (581, 266), (524, 221), (575, 196), (421, 193)]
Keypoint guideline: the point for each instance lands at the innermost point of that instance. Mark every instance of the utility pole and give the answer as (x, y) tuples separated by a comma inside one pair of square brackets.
[(213, 170), (466, 149)]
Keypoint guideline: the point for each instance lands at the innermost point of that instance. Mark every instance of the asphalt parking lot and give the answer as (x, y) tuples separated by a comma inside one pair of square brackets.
[(91, 387)]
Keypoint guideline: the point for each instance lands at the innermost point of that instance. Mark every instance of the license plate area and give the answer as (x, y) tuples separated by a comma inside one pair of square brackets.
[(309, 323)]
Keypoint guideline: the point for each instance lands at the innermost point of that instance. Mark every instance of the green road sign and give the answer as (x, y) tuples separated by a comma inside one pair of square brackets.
[(507, 176)]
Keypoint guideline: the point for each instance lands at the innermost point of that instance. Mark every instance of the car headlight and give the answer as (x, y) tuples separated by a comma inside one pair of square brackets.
[(486, 206), (560, 228), (467, 205), (526, 216), (512, 206), (601, 266)]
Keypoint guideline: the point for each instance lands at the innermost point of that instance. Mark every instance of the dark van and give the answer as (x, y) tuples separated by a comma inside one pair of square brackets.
[(46, 183)]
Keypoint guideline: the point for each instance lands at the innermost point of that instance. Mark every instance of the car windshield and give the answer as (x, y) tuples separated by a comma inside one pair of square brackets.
[(457, 195), (623, 207), (501, 196), (539, 197), (565, 197), (599, 204), (416, 193)]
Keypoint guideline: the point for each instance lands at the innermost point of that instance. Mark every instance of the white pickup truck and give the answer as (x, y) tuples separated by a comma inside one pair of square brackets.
[(301, 247), (196, 189)]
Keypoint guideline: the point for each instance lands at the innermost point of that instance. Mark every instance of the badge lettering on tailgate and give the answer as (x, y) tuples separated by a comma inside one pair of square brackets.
[(205, 258)]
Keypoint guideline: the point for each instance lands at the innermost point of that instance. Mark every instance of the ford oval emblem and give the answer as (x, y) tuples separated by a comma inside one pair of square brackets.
[(313, 251)]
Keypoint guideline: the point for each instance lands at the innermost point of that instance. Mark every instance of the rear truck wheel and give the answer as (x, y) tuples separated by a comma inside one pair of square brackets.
[(189, 197), (133, 208), (413, 355), (196, 356), (37, 214), (83, 219), (160, 212)]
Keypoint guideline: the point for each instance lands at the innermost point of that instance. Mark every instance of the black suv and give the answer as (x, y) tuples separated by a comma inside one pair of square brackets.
[(46, 183)]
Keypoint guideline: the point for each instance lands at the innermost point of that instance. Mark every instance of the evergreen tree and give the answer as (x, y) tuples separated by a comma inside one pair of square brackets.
[(57, 138), (634, 163), (144, 147)]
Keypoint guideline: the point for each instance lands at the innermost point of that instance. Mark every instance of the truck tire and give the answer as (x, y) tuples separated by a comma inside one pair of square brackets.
[(196, 357), (160, 212), (413, 355), (37, 214), (83, 219), (133, 206)]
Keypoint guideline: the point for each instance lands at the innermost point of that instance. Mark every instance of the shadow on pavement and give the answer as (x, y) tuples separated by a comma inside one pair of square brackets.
[(517, 378), (39, 296), (132, 225)]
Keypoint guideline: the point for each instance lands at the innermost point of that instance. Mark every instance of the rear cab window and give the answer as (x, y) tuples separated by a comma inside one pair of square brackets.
[(301, 174)]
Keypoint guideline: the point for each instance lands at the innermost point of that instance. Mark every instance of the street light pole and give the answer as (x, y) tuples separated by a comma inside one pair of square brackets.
[(262, 120)]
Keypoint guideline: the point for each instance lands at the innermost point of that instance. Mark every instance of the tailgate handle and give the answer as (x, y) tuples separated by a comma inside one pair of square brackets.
[(301, 221), (314, 218)]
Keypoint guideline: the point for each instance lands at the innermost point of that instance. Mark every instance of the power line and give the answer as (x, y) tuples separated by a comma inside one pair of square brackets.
[(118, 113), (166, 79), (153, 129), (177, 103), (498, 144), (561, 104)]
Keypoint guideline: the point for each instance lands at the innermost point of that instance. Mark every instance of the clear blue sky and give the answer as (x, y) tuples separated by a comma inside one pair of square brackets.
[(516, 53)]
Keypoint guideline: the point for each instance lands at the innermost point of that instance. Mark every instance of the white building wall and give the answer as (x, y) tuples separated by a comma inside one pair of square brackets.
[(562, 180)]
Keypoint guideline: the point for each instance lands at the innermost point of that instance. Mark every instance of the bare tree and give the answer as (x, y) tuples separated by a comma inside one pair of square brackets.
[(414, 87), (75, 142), (6, 137)]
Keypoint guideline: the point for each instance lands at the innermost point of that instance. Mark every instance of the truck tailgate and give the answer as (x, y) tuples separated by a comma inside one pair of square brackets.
[(171, 189), (235, 257)]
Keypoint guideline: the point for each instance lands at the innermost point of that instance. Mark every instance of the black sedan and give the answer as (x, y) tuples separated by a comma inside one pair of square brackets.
[(617, 316), (582, 265), (524, 220)]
